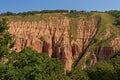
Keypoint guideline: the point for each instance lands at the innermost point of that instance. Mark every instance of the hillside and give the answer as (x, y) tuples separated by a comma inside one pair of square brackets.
[(67, 36), (77, 39)]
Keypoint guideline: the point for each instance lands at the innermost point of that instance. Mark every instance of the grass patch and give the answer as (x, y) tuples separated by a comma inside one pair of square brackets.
[(30, 18), (106, 23), (73, 28)]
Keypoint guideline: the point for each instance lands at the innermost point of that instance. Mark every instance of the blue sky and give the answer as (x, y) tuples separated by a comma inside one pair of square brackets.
[(29, 5)]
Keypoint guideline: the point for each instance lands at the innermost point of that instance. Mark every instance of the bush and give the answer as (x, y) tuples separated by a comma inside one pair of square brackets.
[(8, 14), (78, 74), (5, 38), (30, 65), (102, 71), (116, 63), (116, 14)]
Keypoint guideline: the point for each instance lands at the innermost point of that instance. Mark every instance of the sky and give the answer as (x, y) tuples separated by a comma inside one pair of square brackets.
[(37, 5)]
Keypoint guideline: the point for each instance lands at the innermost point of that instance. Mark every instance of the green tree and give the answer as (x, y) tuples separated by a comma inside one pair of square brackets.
[(34, 66), (8, 14), (116, 63), (78, 74), (5, 38), (116, 14), (3, 26), (102, 71)]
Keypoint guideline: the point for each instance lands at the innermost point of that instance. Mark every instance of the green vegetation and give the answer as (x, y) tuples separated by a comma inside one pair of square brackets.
[(31, 18), (5, 38), (44, 12), (27, 64), (42, 38), (102, 71), (78, 74), (42, 15), (116, 14), (31, 65), (109, 70), (107, 31), (73, 28), (115, 61), (33, 12)]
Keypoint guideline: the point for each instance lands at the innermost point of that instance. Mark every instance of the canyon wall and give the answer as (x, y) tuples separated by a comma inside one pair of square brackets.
[(66, 38), (54, 37)]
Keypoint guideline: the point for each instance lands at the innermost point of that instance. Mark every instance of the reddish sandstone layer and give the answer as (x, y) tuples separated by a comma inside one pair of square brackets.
[(53, 37)]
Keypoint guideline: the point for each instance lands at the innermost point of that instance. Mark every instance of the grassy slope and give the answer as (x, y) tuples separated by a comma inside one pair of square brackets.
[(73, 28), (106, 22), (74, 18)]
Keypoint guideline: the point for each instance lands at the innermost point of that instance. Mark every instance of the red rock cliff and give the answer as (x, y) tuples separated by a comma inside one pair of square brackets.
[(53, 36)]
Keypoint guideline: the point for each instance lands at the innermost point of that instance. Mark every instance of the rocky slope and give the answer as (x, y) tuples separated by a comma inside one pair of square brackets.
[(116, 43), (58, 37)]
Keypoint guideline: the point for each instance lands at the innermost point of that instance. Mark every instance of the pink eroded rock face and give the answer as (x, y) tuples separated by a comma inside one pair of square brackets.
[(53, 37), (116, 43), (106, 52)]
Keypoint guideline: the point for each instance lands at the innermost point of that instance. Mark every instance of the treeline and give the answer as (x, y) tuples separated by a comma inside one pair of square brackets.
[(33, 12), (116, 14), (43, 11)]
